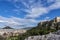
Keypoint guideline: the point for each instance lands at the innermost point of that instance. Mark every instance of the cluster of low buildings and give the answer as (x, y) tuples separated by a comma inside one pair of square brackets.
[(11, 32)]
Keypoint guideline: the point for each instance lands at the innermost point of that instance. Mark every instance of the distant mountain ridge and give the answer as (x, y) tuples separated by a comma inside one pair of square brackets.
[(7, 27)]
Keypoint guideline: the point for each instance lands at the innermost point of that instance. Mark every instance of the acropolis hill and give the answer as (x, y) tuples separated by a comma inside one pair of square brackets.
[(52, 23), (46, 30)]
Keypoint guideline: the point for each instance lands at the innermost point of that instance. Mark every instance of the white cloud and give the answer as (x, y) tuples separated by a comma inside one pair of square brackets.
[(14, 21), (13, 1), (7, 20), (56, 5), (36, 12), (45, 19), (49, 1), (36, 9)]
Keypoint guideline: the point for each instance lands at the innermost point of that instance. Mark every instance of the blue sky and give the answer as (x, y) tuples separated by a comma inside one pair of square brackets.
[(27, 13)]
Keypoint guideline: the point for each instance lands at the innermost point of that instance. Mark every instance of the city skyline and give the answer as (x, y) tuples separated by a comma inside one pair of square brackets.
[(27, 13)]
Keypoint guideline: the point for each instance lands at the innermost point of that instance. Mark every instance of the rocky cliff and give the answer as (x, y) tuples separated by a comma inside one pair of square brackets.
[(50, 36)]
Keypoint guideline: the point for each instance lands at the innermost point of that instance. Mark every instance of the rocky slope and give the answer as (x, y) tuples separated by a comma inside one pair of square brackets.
[(50, 36)]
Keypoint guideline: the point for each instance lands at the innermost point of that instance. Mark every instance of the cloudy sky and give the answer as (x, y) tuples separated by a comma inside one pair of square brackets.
[(27, 13)]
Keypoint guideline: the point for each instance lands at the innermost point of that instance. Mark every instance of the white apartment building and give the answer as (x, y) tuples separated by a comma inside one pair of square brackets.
[(57, 19)]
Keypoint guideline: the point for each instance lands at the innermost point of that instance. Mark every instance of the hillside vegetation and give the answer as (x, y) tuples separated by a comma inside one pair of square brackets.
[(42, 29)]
